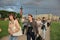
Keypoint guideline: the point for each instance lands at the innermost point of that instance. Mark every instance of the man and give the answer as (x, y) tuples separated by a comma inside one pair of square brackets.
[(32, 29)]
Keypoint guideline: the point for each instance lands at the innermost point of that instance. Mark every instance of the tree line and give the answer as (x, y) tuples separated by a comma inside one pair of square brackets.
[(5, 14)]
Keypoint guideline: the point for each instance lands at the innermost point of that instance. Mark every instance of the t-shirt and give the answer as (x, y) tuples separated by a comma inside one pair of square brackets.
[(30, 27)]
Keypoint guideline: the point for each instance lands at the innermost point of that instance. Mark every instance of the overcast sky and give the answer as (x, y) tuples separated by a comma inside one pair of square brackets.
[(30, 6)]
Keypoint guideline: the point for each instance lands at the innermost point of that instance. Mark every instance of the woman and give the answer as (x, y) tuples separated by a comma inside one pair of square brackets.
[(14, 27), (39, 25), (32, 29)]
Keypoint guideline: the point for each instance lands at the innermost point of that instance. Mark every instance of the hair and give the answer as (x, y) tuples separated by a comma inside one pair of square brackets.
[(43, 17), (30, 15), (12, 14)]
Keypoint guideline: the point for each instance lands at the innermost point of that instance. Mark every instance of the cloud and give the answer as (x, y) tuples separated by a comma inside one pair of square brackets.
[(8, 2), (43, 6), (10, 5), (9, 9), (42, 3)]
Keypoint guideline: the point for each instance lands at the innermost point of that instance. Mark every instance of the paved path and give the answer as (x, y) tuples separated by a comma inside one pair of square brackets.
[(23, 37), (48, 34)]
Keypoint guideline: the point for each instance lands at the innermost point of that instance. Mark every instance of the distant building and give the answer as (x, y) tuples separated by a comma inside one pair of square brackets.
[(47, 16)]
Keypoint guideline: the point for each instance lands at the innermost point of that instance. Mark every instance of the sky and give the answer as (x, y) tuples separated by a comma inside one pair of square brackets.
[(30, 6)]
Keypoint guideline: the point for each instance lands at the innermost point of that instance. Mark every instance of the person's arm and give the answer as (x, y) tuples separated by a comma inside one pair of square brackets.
[(18, 27), (36, 27), (9, 29)]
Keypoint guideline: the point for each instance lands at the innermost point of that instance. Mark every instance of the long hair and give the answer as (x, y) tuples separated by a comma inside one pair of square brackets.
[(11, 14)]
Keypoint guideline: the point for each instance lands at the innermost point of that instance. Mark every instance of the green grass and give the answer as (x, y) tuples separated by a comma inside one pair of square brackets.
[(55, 31), (4, 27)]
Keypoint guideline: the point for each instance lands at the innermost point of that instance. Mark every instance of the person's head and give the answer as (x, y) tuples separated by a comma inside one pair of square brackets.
[(30, 17), (43, 18), (38, 19), (11, 16)]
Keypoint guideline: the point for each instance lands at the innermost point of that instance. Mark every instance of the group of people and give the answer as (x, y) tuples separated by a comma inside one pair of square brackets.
[(35, 27), (31, 27)]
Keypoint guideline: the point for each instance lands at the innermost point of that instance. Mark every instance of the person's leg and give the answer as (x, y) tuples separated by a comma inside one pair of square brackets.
[(28, 37), (44, 33), (23, 30), (13, 38), (33, 36), (10, 37)]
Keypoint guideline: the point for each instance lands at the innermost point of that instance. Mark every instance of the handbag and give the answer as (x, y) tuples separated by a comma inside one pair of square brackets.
[(19, 33), (43, 26), (39, 37)]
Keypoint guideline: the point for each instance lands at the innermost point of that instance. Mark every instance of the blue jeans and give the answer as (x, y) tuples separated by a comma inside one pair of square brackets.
[(13, 38)]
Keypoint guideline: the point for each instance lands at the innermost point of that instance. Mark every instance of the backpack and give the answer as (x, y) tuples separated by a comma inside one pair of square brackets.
[(43, 25), (48, 24)]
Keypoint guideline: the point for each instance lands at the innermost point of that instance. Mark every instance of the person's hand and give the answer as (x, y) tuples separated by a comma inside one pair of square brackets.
[(11, 33), (37, 35)]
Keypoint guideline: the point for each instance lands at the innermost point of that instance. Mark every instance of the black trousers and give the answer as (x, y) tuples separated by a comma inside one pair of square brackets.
[(23, 30), (31, 35)]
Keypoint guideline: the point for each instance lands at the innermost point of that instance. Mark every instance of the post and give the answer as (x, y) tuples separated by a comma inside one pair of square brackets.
[(21, 12)]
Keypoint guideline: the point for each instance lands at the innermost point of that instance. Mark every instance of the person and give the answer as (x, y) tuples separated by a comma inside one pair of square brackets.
[(32, 29), (24, 21), (14, 27), (48, 22), (39, 25), (44, 27)]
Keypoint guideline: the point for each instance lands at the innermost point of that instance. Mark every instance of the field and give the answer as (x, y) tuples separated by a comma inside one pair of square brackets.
[(54, 33), (4, 27)]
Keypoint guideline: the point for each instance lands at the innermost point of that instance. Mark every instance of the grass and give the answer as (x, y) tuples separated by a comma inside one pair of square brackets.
[(55, 31), (4, 27)]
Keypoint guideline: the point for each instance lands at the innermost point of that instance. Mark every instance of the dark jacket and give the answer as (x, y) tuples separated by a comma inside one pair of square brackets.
[(34, 26)]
